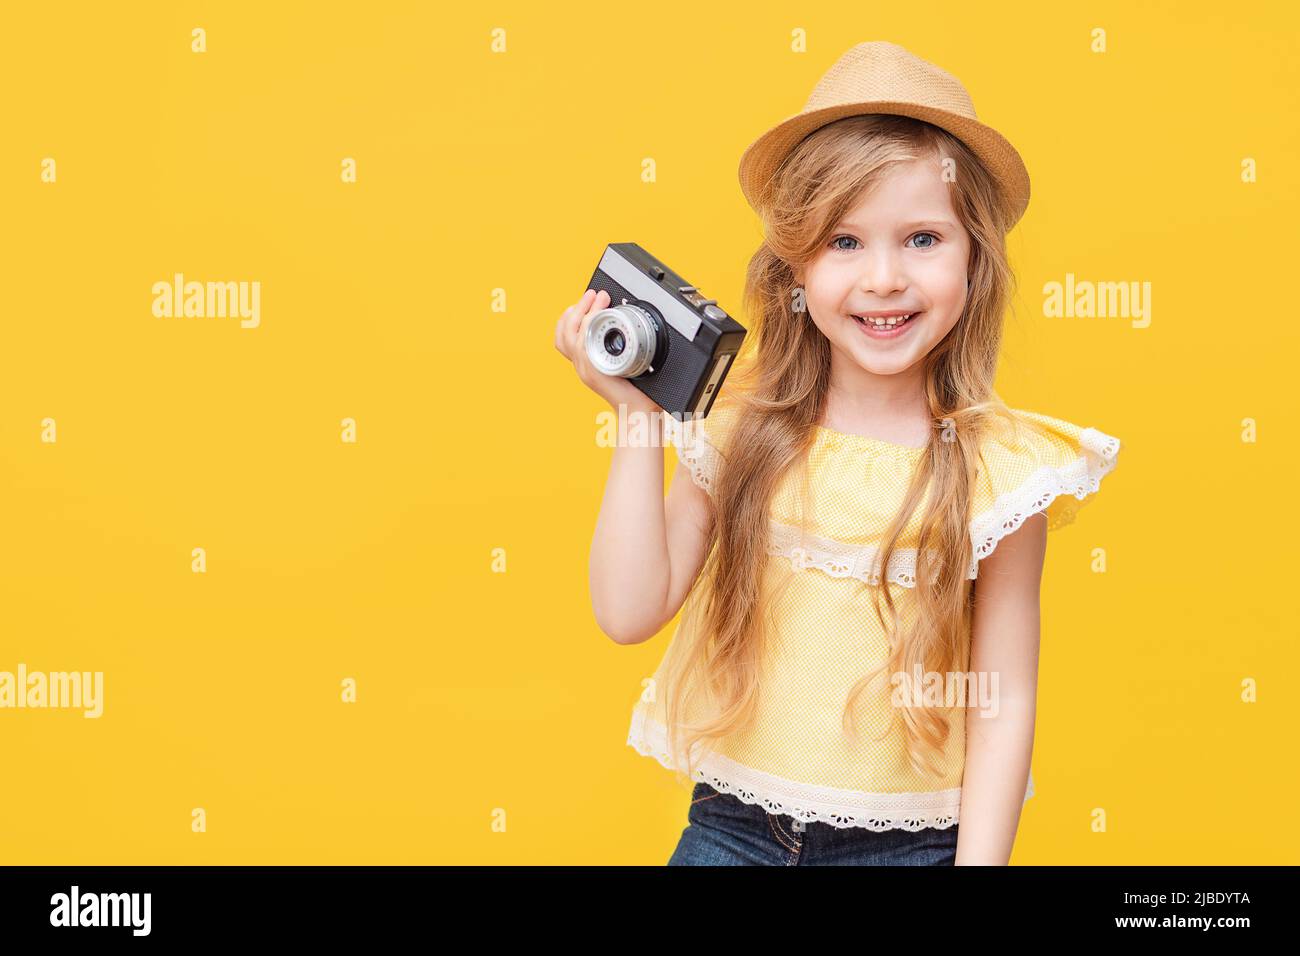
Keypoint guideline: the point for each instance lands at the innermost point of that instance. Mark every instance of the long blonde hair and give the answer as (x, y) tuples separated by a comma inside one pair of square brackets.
[(782, 396)]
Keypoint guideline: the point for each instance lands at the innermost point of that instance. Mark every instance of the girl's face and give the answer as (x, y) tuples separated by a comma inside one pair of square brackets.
[(901, 249)]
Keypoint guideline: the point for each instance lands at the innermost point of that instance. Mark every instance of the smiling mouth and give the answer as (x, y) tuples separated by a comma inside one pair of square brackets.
[(885, 324)]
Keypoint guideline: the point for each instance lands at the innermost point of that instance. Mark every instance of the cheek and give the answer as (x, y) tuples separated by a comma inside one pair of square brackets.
[(828, 286), (950, 271), (954, 296), (822, 317), (946, 287)]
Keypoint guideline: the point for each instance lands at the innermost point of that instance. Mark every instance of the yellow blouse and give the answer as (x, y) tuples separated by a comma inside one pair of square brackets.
[(825, 635)]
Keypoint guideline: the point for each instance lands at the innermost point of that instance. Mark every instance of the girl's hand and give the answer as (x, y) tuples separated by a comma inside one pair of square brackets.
[(570, 340)]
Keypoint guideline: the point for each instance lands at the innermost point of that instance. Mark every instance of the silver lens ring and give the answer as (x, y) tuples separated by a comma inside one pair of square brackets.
[(630, 325)]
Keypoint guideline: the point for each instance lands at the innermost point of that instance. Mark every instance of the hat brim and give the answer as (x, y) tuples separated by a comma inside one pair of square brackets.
[(764, 156)]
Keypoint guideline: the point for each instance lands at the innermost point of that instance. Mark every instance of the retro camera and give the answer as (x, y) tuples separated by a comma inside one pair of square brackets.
[(660, 332)]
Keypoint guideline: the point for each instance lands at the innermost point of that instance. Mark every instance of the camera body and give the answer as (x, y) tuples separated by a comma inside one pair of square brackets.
[(660, 332)]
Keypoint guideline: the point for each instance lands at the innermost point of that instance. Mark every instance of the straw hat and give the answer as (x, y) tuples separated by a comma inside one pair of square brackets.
[(881, 77)]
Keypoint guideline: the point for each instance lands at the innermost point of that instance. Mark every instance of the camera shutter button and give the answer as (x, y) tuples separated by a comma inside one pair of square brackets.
[(713, 312)]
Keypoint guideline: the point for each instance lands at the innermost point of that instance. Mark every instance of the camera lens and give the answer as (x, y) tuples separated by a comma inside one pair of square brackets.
[(622, 340)]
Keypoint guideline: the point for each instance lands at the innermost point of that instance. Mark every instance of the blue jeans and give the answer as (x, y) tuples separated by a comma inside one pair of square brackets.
[(723, 830)]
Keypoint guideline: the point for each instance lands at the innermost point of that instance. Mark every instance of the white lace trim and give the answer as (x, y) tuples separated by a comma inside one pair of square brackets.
[(1080, 478), (843, 560), (804, 801), (839, 559), (693, 448)]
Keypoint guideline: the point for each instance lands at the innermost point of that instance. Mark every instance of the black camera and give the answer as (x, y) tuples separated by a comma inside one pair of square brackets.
[(660, 332)]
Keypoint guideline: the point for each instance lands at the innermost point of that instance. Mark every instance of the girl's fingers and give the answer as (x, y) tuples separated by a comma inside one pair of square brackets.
[(569, 330), (599, 301), (580, 311), (564, 328), (585, 308)]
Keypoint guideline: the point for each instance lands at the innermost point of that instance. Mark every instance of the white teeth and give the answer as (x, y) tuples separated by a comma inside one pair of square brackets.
[(886, 323)]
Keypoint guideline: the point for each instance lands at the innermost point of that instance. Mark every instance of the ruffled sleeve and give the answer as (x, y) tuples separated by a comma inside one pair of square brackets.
[(1034, 463), (701, 443)]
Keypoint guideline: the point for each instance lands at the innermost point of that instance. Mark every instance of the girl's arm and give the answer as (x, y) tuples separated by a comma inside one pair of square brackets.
[(1000, 737), (644, 556), (646, 552)]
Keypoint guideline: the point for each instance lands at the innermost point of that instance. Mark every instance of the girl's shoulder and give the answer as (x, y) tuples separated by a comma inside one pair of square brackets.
[(703, 443), (1030, 462)]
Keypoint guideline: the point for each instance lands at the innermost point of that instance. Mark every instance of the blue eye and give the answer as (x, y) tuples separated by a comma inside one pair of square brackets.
[(840, 248)]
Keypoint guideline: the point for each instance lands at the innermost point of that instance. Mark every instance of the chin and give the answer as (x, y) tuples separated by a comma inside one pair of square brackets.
[(880, 364), (883, 368)]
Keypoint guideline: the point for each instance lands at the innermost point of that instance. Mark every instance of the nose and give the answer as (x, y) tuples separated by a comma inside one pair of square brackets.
[(882, 273)]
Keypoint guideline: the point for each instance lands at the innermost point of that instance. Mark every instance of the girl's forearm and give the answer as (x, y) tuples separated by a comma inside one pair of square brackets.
[(630, 568), (998, 752)]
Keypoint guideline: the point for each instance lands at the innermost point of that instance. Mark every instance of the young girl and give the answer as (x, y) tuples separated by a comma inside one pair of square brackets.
[(855, 533)]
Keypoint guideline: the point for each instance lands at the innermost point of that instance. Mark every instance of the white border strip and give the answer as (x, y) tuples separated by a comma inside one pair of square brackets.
[(808, 802)]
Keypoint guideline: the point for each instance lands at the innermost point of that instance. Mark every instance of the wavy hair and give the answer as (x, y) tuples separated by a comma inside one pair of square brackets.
[(781, 390)]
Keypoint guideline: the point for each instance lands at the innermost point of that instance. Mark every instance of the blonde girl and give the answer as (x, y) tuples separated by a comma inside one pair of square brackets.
[(855, 534)]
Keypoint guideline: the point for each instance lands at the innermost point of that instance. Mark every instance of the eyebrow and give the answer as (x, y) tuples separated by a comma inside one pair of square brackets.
[(921, 224)]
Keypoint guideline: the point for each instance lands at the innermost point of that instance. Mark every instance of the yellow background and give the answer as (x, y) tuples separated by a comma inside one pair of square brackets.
[(481, 691)]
